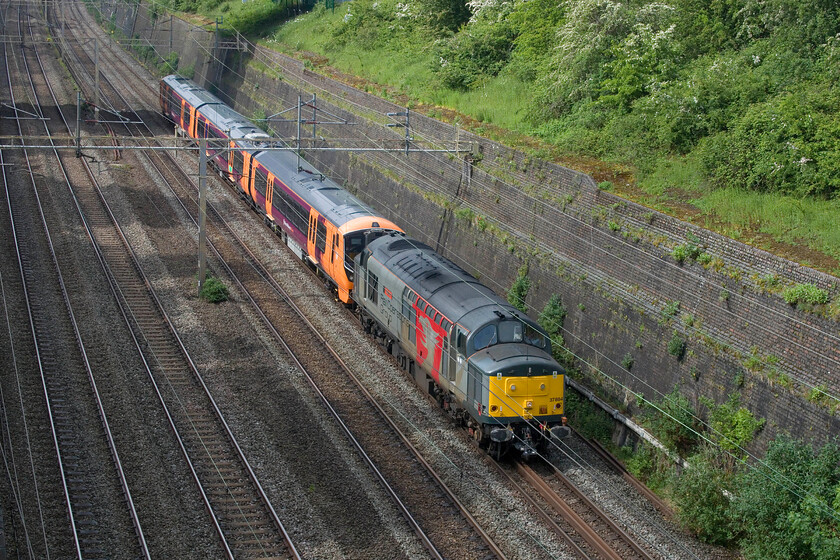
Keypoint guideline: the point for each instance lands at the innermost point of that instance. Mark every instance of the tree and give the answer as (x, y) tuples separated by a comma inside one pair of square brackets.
[(787, 505)]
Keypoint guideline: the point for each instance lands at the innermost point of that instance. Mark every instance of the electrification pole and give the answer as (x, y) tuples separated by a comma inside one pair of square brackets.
[(202, 211)]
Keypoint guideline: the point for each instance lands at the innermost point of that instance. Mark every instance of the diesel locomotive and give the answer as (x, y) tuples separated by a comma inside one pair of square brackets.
[(319, 221), (486, 363)]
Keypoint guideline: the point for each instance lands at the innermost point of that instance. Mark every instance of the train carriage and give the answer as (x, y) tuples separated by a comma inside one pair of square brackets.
[(321, 222), (482, 358)]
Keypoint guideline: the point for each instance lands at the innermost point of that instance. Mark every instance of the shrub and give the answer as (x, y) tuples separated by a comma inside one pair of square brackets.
[(732, 425), (519, 290), (254, 16), (676, 346), (214, 291), (703, 507), (679, 253), (805, 293), (466, 60), (673, 421), (787, 504), (627, 361), (669, 311), (551, 319)]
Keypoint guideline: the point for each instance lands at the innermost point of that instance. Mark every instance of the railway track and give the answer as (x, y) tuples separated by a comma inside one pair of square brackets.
[(591, 523), (246, 264), (241, 512), (417, 481), (63, 362)]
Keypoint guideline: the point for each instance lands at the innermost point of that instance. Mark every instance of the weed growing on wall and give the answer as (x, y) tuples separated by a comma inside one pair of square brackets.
[(519, 290)]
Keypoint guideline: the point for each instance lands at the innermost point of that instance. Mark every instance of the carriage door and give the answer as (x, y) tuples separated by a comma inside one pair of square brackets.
[(269, 196), (475, 391), (310, 240), (457, 361), (245, 180), (193, 123), (182, 122)]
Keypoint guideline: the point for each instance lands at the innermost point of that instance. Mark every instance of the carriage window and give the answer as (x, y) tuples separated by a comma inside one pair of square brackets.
[(510, 331), (485, 337), (238, 162), (321, 237), (372, 287), (260, 181)]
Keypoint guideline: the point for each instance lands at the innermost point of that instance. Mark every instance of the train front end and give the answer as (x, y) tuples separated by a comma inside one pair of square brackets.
[(522, 407)]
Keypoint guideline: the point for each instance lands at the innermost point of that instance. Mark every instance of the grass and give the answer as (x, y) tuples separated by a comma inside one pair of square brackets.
[(808, 222), (801, 230)]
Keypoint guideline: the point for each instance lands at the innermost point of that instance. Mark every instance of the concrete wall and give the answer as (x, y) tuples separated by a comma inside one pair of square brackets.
[(607, 258)]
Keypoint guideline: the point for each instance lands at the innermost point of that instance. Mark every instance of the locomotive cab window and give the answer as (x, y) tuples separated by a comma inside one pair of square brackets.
[(534, 337), (461, 342), (409, 315), (486, 336)]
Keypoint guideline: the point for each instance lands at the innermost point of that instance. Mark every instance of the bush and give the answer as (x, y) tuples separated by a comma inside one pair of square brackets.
[(466, 60), (673, 421), (676, 346), (703, 508), (551, 319), (805, 293), (733, 426), (253, 17), (214, 291), (787, 505), (519, 290)]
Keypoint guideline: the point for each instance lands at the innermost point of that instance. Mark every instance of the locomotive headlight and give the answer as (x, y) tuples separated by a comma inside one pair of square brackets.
[(513, 387), (529, 404), (542, 386)]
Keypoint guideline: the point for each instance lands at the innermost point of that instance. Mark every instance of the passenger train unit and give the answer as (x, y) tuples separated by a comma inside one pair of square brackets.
[(485, 362), (318, 220)]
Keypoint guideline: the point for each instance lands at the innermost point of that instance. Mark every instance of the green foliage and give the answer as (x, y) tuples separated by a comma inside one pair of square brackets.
[(444, 15), (466, 60), (589, 419), (170, 64), (669, 312), (788, 144), (371, 25), (733, 427), (787, 505), (805, 293), (627, 361), (703, 508), (551, 319), (255, 17), (519, 290), (676, 346), (214, 291), (673, 421)]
